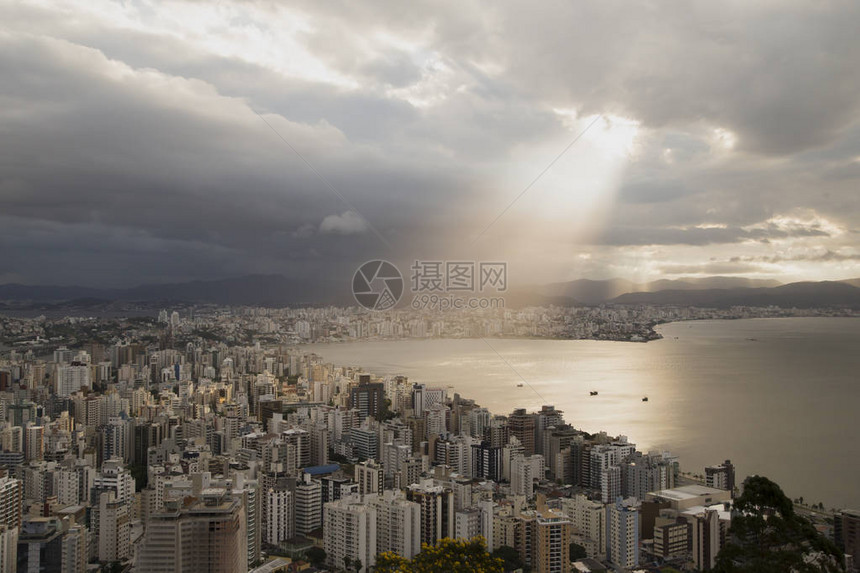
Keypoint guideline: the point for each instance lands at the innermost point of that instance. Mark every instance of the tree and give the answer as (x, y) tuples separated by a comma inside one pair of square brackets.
[(577, 552), (449, 555), (316, 555), (140, 474), (767, 536), (385, 412), (510, 557)]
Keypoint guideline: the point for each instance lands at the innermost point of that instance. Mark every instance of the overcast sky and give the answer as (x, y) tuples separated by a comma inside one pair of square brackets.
[(167, 141)]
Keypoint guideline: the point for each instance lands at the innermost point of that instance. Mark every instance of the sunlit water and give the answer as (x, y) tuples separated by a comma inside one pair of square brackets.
[(780, 397)]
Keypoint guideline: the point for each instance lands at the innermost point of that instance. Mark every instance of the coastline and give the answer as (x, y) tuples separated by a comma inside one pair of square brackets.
[(474, 376)]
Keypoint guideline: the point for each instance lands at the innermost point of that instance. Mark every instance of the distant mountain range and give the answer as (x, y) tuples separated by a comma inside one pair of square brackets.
[(594, 292), (280, 291), (261, 290)]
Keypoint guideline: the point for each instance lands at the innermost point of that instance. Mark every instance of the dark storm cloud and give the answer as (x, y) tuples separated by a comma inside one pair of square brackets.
[(131, 142)]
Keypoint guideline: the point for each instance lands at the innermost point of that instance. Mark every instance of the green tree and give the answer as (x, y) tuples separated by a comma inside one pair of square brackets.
[(577, 552), (140, 475), (449, 556), (510, 557), (316, 555), (385, 413), (767, 536)]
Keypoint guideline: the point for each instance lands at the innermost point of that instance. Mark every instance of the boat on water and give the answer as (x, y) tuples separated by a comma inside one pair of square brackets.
[(593, 393), (645, 399)]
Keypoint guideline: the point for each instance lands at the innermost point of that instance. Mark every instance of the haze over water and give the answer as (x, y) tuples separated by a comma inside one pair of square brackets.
[(779, 397)]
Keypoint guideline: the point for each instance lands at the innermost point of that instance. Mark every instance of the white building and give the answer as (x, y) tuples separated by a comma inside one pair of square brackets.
[(308, 505), (113, 528), (622, 536), (8, 549), (116, 478), (70, 378), (589, 519), (349, 530), (280, 516), (398, 524)]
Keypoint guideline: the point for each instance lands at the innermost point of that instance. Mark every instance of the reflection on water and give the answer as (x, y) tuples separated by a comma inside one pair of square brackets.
[(777, 396)]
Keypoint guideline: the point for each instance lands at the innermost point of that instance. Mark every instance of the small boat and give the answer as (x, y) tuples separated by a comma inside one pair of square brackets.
[(593, 393), (645, 399)]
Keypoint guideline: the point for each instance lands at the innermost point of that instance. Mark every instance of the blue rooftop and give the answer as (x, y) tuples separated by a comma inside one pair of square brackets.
[(322, 470)]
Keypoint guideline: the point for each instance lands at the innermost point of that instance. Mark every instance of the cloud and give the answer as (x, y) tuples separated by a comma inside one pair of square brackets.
[(347, 223), (821, 256), (712, 268), (133, 147)]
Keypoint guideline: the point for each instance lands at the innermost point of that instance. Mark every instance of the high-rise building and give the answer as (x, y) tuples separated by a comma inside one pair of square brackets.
[(118, 438), (708, 533), (111, 526), (641, 474), (249, 492), (437, 510), (349, 532), (547, 418), (551, 542), (398, 523), (522, 425), (70, 378), (205, 536), (589, 519), (34, 443), (847, 533), (280, 516), (486, 462), (116, 478), (368, 397), (423, 398), (605, 468), (8, 549), (721, 476), (467, 523), (671, 536), (370, 477), (308, 505), (11, 502), (622, 534), (51, 545)]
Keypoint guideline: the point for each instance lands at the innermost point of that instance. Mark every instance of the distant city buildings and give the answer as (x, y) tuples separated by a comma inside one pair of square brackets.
[(206, 441)]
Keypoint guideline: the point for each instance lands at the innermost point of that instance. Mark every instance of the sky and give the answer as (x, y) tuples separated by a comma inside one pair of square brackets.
[(148, 142)]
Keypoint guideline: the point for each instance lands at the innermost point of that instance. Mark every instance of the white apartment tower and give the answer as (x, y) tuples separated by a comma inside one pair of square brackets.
[(622, 536), (280, 516), (349, 530)]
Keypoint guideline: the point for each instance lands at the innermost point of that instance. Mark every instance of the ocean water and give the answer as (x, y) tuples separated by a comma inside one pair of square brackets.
[(779, 397)]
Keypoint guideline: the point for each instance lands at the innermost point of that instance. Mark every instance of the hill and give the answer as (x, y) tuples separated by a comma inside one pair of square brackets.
[(799, 295)]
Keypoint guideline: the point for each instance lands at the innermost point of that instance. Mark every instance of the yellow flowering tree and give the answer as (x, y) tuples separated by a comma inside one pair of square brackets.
[(448, 556)]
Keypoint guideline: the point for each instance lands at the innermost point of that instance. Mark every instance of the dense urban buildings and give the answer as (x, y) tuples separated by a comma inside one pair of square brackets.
[(158, 449)]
